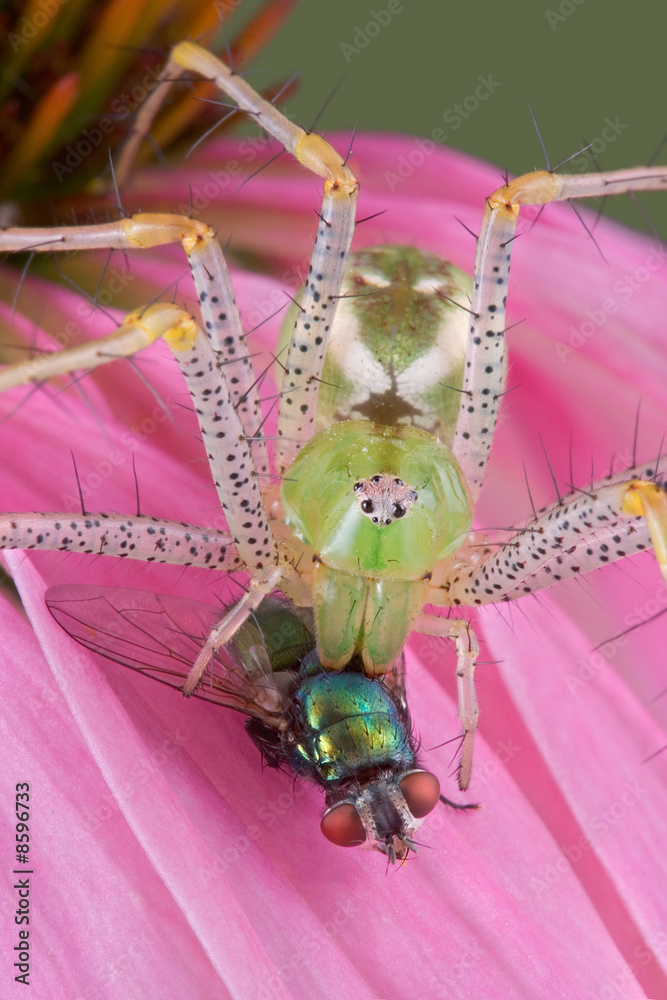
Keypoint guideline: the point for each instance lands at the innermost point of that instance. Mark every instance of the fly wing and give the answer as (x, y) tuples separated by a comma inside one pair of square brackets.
[(159, 635)]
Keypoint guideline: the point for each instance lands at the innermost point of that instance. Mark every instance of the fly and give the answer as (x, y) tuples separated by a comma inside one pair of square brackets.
[(343, 730)]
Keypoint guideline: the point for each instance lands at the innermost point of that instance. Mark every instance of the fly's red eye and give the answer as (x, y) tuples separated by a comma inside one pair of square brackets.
[(421, 791), (342, 825)]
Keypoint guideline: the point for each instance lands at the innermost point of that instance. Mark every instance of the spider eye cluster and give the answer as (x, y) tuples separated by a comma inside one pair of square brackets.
[(384, 498)]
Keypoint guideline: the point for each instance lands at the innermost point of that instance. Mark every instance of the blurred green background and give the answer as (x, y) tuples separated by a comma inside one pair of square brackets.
[(580, 63)]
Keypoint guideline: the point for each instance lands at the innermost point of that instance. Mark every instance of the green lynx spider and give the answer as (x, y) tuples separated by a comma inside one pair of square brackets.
[(395, 520)]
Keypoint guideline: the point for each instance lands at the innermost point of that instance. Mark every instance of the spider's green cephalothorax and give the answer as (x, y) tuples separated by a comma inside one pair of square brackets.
[(362, 559)]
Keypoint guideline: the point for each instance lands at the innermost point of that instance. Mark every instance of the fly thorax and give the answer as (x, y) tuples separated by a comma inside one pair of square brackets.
[(344, 725)]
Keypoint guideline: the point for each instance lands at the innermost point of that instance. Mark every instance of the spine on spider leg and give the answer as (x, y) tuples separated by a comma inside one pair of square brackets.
[(467, 654), (131, 336), (223, 433), (148, 539), (308, 347), (145, 115), (143, 326), (188, 57)]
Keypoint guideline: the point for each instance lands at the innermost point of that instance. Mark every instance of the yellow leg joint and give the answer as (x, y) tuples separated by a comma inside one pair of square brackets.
[(183, 334), (177, 327), (537, 188), (317, 155), (189, 55), (644, 499), (152, 230)]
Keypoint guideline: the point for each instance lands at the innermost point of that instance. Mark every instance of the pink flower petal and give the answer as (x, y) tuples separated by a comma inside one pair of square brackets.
[(201, 848)]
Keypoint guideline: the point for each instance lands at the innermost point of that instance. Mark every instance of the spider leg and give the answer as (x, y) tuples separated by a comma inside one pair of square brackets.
[(467, 652), (148, 539), (618, 516), (227, 409), (484, 376), (334, 234)]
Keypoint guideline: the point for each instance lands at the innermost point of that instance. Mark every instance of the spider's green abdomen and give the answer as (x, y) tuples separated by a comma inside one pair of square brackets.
[(398, 342)]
